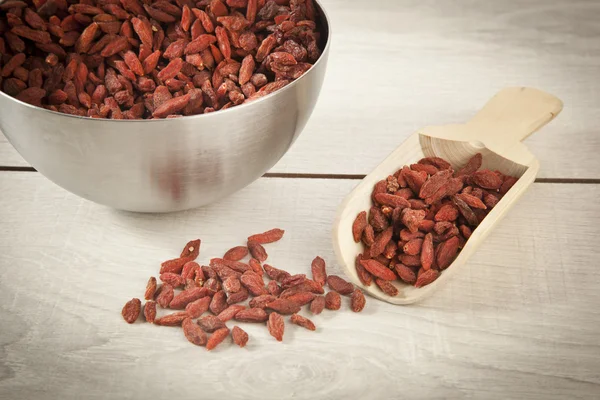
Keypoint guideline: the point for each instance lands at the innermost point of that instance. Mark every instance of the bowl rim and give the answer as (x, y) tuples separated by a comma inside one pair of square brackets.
[(324, 54)]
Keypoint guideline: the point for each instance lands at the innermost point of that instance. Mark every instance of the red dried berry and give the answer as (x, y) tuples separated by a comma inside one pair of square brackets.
[(377, 269), (257, 251), (174, 319), (267, 237), (387, 287), (340, 285), (301, 298), (333, 301), (427, 277), (150, 311), (165, 295), (303, 322), (236, 253), (198, 307), (218, 302), (406, 274), (193, 333), (187, 296), (239, 336), (359, 225), (216, 338), (364, 275), (262, 301), (131, 310), (275, 274), (150, 288), (251, 315), (276, 326), (210, 323), (317, 305), (284, 306), (230, 312)]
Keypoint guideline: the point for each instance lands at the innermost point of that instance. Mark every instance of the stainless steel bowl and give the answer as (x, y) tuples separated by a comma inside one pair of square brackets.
[(164, 165)]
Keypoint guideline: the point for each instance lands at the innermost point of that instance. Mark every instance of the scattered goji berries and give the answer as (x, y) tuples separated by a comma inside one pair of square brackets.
[(421, 218), (211, 296)]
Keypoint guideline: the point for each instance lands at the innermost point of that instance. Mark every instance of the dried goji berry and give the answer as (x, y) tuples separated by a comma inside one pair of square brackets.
[(193, 333), (283, 306), (317, 305), (267, 237), (387, 287), (427, 277), (257, 251), (251, 315), (427, 255), (238, 297), (405, 273), (218, 302), (239, 336), (174, 319), (487, 179), (378, 270), (210, 323), (471, 166), (333, 301), (364, 275), (217, 338), (198, 307), (165, 295), (276, 326), (150, 311), (150, 288), (275, 274), (236, 253), (131, 310), (301, 298), (187, 296), (253, 283), (230, 312), (358, 301), (340, 285), (303, 322)]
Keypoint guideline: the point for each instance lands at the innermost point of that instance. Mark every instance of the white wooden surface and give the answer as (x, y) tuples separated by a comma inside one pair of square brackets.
[(520, 321), (398, 65)]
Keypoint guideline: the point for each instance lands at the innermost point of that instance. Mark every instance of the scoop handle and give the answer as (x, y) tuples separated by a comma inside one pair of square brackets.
[(512, 115)]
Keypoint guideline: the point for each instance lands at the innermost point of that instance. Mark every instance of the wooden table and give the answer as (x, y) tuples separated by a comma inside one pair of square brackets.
[(521, 321)]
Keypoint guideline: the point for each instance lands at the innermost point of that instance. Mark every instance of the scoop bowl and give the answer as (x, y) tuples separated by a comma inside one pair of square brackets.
[(496, 132)]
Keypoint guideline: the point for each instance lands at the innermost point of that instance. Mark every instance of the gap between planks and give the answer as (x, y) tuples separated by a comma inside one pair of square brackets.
[(286, 175)]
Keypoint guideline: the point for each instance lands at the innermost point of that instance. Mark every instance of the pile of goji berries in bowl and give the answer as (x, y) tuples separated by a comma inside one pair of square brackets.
[(132, 59), (170, 104), (420, 219)]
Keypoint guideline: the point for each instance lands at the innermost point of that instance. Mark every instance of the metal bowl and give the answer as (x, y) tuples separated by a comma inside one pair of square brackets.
[(165, 165)]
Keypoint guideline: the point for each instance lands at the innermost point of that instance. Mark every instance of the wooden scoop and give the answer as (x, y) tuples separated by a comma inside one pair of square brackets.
[(496, 131)]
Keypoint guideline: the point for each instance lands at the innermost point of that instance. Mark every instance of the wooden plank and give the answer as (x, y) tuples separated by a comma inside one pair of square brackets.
[(8, 155), (520, 321), (398, 65)]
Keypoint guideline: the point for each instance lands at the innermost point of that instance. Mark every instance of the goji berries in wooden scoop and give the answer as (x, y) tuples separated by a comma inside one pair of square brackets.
[(413, 221)]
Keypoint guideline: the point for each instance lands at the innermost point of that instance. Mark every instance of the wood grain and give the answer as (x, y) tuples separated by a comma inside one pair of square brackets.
[(398, 65), (8, 155), (520, 321)]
